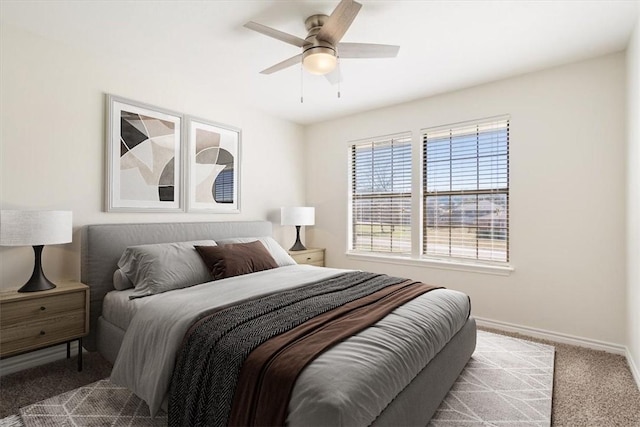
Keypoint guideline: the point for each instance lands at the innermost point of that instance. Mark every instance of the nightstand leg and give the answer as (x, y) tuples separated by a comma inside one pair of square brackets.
[(68, 349), (79, 354)]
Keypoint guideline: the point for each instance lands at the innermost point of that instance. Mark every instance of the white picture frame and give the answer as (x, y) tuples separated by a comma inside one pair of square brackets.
[(144, 151), (213, 165)]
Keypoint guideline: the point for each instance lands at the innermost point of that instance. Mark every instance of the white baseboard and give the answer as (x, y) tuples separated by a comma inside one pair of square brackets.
[(36, 358), (553, 336), (634, 368), (564, 339)]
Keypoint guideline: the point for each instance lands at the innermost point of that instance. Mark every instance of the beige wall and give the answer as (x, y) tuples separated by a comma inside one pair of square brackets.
[(567, 157), (567, 198), (52, 141), (633, 197)]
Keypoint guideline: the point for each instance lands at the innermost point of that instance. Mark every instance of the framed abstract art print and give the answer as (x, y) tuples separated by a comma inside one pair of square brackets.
[(144, 158), (213, 163)]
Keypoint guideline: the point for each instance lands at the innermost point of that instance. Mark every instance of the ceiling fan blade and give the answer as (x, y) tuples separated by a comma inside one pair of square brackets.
[(339, 22), (284, 64), (367, 50), (334, 77), (276, 34)]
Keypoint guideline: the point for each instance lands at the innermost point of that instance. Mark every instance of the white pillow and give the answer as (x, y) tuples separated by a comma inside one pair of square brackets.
[(280, 256), (163, 267), (121, 281)]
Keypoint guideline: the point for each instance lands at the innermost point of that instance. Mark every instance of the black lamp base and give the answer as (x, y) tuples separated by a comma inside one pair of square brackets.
[(298, 246), (38, 281)]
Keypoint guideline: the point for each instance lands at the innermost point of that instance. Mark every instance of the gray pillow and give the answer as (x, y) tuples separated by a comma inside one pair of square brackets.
[(280, 256), (162, 267), (121, 281)]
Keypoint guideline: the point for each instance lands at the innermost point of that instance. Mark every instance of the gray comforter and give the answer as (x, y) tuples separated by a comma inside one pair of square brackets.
[(348, 385)]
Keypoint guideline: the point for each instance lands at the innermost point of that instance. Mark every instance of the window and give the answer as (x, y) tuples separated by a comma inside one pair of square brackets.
[(381, 195), (466, 191)]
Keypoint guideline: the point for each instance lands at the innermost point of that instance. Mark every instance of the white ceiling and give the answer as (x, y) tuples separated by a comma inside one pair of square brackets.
[(444, 45)]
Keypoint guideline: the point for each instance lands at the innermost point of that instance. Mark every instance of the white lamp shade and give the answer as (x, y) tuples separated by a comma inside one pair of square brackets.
[(298, 216), (33, 228)]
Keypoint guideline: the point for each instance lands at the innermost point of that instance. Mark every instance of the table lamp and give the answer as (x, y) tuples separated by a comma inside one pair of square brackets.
[(35, 228), (297, 216)]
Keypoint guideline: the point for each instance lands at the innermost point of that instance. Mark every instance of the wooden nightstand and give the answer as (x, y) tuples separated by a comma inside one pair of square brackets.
[(35, 320), (310, 256)]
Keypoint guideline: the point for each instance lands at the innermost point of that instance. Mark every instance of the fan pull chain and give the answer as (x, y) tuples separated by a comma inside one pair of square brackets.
[(301, 84), (339, 76)]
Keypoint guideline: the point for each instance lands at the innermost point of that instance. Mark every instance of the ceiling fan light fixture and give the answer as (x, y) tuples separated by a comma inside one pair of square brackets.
[(319, 60)]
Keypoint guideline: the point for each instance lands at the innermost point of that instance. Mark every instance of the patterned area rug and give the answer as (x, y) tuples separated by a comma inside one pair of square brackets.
[(98, 404), (508, 381)]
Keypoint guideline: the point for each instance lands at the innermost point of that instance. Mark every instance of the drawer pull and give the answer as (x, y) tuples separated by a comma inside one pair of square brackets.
[(42, 332), (43, 308), (308, 258)]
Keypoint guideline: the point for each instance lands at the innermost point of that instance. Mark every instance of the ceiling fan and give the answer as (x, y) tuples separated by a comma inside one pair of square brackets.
[(322, 48)]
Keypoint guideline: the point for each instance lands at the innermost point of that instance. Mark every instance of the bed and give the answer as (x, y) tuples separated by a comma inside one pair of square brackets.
[(404, 392)]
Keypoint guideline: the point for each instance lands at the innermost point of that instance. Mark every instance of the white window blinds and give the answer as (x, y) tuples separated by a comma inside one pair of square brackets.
[(466, 190), (381, 195)]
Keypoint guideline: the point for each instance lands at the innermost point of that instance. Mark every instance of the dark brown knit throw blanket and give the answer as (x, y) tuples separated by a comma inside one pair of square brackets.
[(236, 364)]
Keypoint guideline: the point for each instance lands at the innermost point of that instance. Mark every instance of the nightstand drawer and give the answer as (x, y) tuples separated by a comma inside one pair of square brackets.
[(19, 312), (309, 256), (34, 320), (40, 333)]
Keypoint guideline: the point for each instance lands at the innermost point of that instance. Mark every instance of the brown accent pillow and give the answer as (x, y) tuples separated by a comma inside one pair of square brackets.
[(235, 259)]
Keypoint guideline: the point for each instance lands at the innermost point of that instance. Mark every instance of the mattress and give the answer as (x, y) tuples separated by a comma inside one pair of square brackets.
[(405, 341), (118, 309)]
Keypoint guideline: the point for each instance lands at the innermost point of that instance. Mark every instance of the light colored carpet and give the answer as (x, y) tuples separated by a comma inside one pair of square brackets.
[(591, 388), (507, 382)]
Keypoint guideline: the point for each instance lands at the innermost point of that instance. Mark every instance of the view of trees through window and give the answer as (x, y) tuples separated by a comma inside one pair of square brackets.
[(381, 195), (465, 190)]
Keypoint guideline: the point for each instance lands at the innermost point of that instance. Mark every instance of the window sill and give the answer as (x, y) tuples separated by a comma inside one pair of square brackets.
[(445, 264)]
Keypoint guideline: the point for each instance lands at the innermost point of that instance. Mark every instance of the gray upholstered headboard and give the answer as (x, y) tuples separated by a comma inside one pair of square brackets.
[(103, 244)]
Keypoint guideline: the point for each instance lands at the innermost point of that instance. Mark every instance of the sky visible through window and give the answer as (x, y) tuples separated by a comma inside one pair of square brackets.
[(383, 168), (467, 162), (465, 193), (459, 163), (381, 195), (466, 189)]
